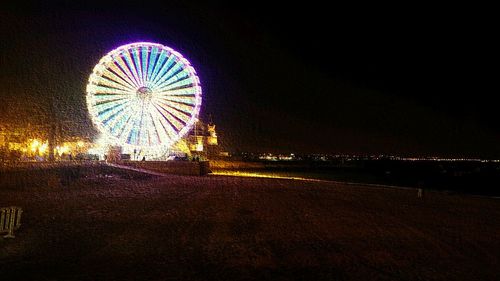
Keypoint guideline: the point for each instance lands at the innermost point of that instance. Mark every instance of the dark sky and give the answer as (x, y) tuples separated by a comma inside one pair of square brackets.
[(410, 80)]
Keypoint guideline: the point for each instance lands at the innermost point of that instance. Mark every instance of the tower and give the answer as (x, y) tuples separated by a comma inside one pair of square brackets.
[(212, 135)]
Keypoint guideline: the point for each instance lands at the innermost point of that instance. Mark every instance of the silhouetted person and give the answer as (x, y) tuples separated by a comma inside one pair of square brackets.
[(420, 189), (143, 158)]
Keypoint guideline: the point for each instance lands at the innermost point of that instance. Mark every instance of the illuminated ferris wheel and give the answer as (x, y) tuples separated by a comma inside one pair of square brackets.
[(144, 96)]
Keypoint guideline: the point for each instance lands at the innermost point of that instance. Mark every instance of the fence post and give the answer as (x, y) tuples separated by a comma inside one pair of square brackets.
[(10, 219)]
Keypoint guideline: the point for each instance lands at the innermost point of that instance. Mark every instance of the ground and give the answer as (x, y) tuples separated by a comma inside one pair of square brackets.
[(235, 228)]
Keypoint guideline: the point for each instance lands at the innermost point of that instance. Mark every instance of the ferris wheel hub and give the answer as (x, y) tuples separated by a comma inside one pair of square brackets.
[(144, 93)]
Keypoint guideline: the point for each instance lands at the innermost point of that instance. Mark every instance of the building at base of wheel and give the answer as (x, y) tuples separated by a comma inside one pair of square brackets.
[(201, 143), (32, 144)]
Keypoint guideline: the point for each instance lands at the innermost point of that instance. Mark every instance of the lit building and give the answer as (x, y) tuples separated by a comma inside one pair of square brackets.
[(31, 143), (212, 136), (202, 140)]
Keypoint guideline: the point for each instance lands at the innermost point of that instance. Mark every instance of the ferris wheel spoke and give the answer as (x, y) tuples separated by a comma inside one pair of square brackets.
[(106, 81), (105, 113), (185, 105), (108, 102), (176, 107), (130, 128), (109, 115), (130, 64), (185, 82), (145, 63), (137, 64), (162, 57), (174, 70), (124, 128), (121, 69), (153, 55), (183, 109), (106, 90), (132, 135), (105, 102), (153, 137), (178, 120), (112, 117), (119, 122), (165, 68), (174, 77), (102, 108), (148, 138), (97, 98), (187, 91), (148, 132), (108, 77), (168, 128), (118, 71), (188, 86), (145, 130), (191, 101), (170, 117), (155, 128), (106, 98), (180, 80), (142, 128), (115, 122)]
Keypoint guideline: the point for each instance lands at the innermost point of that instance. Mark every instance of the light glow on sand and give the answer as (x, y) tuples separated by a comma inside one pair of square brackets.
[(257, 175)]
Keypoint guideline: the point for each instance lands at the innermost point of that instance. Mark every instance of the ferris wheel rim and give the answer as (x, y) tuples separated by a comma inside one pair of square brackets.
[(135, 80)]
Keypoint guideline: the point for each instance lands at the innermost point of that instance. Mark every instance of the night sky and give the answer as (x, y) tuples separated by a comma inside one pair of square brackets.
[(413, 81)]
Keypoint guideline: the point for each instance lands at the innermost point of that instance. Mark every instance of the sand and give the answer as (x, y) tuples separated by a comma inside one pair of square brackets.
[(235, 228)]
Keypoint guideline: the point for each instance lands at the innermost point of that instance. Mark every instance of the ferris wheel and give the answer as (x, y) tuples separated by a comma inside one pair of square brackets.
[(144, 96)]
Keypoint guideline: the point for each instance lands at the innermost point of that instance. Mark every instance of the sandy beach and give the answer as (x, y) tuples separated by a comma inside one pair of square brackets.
[(238, 228)]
